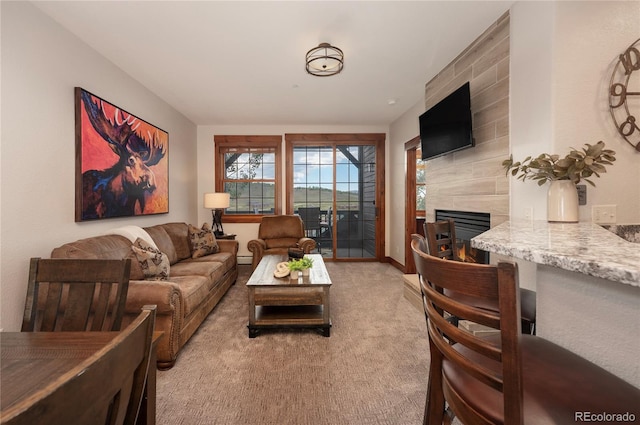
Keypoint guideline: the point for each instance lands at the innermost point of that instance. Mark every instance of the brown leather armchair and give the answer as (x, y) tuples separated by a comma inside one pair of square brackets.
[(276, 235)]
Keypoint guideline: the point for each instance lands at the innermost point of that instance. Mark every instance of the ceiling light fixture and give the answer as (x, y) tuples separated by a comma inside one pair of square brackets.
[(324, 60)]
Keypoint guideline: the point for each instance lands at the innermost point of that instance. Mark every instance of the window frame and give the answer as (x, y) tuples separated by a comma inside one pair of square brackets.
[(224, 142), (420, 164), (333, 140)]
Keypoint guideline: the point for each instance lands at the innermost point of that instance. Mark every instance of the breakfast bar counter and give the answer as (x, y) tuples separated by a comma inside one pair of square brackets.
[(587, 281), (579, 247)]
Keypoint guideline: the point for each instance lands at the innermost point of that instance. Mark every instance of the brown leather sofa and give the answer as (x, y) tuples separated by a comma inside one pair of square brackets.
[(276, 235), (193, 288)]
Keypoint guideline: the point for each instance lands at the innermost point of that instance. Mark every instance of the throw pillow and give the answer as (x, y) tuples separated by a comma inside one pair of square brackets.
[(203, 241), (154, 264)]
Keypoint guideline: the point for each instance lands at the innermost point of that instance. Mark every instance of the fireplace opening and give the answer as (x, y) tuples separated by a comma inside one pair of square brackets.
[(468, 224)]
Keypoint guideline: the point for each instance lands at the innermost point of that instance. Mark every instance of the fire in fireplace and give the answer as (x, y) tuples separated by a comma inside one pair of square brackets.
[(468, 225)]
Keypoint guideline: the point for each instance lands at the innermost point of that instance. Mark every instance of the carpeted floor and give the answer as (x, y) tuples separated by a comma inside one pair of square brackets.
[(372, 370)]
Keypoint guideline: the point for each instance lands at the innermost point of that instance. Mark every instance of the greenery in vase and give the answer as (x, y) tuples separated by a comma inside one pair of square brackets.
[(300, 264), (296, 265), (307, 262), (575, 166)]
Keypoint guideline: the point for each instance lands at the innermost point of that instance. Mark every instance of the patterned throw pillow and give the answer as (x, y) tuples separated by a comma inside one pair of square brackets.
[(154, 264), (203, 241)]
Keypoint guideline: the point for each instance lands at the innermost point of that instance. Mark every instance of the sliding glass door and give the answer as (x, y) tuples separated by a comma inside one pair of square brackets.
[(334, 188), (313, 193)]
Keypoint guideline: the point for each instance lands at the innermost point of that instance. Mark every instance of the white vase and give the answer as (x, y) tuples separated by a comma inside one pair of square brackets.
[(562, 202), (294, 274), (306, 272)]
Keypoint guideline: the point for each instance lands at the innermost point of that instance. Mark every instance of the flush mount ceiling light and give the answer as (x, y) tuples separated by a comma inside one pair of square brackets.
[(325, 60)]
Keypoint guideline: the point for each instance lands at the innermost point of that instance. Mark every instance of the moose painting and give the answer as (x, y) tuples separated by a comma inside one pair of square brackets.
[(121, 162)]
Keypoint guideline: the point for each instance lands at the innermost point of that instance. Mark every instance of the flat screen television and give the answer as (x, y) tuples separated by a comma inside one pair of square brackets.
[(446, 127)]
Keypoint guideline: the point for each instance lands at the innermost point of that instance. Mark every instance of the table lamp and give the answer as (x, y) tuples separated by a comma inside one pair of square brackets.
[(217, 202)]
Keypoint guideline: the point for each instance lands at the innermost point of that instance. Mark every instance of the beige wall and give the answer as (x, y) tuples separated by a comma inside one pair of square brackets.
[(589, 36), (471, 179), (560, 100), (41, 64)]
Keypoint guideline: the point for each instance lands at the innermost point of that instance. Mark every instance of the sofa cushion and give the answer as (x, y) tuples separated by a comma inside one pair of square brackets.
[(203, 241), (163, 241), (154, 264), (108, 247), (211, 270), (179, 234), (227, 259), (136, 268), (194, 289)]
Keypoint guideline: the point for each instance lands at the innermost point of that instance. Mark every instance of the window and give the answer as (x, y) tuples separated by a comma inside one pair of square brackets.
[(249, 169)]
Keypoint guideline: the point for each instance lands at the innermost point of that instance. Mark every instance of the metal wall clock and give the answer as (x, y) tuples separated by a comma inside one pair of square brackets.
[(624, 95)]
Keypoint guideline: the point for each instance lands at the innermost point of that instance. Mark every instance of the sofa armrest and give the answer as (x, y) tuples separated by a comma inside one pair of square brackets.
[(307, 245), (227, 245), (257, 245), (166, 296)]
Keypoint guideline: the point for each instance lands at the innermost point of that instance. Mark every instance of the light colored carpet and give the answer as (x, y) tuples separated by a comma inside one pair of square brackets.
[(372, 370)]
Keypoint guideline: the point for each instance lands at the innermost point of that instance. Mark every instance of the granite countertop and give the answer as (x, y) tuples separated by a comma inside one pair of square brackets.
[(580, 247)]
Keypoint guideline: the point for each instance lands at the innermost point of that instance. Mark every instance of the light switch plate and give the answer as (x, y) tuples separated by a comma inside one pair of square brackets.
[(604, 214)]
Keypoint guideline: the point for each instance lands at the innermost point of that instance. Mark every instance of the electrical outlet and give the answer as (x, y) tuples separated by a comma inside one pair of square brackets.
[(603, 214), (528, 213)]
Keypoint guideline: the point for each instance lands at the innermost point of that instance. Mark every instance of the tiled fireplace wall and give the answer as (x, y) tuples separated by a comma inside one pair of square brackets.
[(473, 179)]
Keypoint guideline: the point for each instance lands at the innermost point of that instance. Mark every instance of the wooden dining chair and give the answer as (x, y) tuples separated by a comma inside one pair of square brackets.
[(441, 239), (76, 295), (106, 388), (421, 242), (509, 377), (441, 242), (311, 220)]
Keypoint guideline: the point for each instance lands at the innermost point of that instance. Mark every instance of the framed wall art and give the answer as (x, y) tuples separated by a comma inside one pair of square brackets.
[(122, 162)]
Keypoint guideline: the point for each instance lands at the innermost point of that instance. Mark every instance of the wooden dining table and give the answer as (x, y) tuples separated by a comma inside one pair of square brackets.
[(31, 360)]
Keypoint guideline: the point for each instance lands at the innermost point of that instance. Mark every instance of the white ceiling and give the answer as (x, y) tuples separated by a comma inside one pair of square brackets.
[(242, 62)]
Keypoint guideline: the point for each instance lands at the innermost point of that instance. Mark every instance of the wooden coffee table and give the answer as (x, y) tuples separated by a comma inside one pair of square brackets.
[(284, 303)]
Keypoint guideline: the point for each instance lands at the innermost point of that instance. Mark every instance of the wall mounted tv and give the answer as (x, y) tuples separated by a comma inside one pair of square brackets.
[(446, 127)]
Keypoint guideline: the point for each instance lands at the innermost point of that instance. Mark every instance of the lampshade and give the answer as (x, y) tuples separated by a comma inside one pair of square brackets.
[(324, 60), (216, 200)]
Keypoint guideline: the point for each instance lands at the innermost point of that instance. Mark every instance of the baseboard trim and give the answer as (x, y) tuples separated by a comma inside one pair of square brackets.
[(395, 264)]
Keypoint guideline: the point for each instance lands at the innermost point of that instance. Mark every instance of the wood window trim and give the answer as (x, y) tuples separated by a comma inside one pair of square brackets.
[(419, 212), (410, 148), (239, 141)]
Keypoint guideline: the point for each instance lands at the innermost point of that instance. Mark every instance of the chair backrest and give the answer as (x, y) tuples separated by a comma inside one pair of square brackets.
[(441, 239), (328, 217), (421, 242), (496, 363), (76, 295), (280, 227), (106, 388), (311, 218)]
